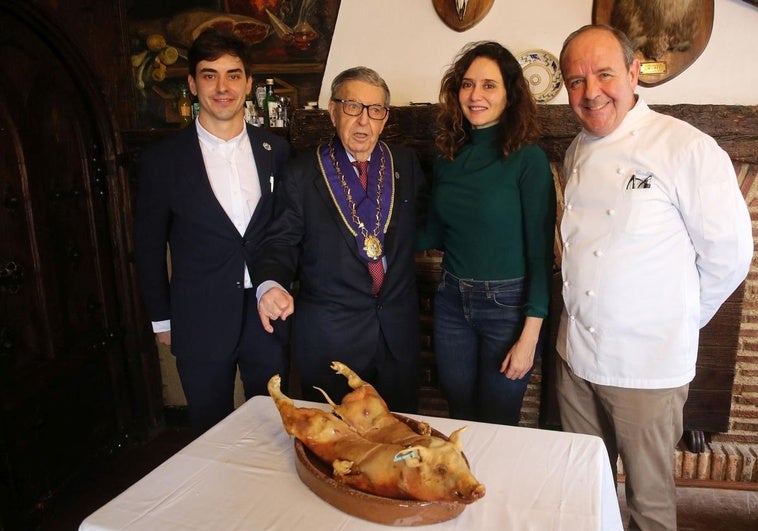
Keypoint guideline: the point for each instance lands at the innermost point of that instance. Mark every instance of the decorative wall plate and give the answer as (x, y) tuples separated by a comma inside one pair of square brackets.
[(542, 73)]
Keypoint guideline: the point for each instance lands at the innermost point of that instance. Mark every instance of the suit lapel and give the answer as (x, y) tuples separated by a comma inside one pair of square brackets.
[(263, 158), (196, 172), (263, 154), (323, 192)]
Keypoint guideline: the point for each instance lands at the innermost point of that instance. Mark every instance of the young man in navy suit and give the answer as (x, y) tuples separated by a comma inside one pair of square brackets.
[(348, 233), (206, 194)]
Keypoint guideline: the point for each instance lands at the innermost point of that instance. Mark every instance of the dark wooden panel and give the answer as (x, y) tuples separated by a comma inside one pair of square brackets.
[(735, 127), (64, 396)]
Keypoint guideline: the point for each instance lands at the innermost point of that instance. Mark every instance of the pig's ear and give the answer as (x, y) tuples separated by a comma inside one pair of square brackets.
[(455, 439), (411, 456)]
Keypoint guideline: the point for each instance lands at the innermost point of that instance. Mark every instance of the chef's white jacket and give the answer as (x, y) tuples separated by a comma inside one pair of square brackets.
[(656, 235)]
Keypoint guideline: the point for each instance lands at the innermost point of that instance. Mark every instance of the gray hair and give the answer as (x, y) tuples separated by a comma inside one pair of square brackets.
[(360, 73), (626, 46)]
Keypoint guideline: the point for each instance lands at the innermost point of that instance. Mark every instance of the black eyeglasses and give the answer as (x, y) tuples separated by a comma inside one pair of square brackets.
[(355, 108)]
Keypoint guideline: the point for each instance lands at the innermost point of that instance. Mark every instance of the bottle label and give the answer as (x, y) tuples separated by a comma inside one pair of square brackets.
[(185, 110), (273, 110), (260, 94)]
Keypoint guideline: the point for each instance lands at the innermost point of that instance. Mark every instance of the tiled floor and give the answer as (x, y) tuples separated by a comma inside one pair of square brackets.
[(698, 509)]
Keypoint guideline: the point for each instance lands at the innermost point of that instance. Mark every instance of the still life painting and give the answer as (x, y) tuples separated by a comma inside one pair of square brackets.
[(289, 40)]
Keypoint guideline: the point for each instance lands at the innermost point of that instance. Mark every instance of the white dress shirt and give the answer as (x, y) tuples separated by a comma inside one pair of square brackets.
[(234, 179), (656, 235)]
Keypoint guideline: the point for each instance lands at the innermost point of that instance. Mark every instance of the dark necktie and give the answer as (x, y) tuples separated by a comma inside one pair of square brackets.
[(375, 268)]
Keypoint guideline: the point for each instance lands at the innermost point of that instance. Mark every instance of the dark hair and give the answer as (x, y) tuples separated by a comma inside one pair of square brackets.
[(627, 50), (361, 73), (518, 123), (212, 44)]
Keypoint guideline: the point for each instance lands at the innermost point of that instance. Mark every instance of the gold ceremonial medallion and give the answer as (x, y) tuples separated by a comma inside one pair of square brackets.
[(373, 247)]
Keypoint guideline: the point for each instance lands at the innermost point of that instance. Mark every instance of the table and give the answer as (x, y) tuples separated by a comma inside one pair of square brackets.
[(241, 475)]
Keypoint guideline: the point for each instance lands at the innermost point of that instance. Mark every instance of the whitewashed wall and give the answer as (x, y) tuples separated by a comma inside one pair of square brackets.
[(408, 44)]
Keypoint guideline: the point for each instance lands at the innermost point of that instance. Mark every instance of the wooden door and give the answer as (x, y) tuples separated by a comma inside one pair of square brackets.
[(62, 371)]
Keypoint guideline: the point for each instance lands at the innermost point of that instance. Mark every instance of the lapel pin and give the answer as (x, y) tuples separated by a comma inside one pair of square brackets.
[(267, 146)]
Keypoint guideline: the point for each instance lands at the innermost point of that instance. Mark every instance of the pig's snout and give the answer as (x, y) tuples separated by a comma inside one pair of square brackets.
[(471, 496)]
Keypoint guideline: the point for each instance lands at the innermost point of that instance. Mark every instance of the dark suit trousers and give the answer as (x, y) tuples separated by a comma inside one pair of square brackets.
[(208, 382), (396, 381)]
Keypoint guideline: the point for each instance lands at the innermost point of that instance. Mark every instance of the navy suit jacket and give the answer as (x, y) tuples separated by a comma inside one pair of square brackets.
[(176, 206), (336, 316)]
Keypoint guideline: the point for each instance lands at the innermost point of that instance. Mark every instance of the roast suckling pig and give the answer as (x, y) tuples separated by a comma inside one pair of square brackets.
[(437, 472), (367, 412)]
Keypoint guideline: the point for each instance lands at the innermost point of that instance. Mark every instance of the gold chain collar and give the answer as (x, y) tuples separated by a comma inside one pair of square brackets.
[(372, 245)]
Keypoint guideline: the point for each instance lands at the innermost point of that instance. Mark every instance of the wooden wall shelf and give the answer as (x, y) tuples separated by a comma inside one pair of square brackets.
[(180, 70)]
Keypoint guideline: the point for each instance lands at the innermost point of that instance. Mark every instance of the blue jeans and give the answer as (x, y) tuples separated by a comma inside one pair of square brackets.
[(475, 325)]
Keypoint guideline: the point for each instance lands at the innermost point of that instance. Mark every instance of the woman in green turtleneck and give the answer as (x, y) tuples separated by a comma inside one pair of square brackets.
[(492, 212)]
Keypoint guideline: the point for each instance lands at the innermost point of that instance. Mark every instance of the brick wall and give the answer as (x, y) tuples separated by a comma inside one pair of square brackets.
[(743, 421)]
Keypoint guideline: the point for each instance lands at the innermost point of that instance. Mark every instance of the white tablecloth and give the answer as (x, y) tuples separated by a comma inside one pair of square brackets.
[(241, 475)]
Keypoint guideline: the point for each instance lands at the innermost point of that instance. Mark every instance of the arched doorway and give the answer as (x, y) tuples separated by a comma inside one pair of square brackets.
[(70, 388)]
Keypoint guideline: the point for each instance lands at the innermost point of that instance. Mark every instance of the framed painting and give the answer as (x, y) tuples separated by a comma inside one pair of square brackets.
[(289, 41)]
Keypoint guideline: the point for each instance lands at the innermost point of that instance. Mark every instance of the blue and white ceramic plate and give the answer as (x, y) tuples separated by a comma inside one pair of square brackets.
[(542, 73)]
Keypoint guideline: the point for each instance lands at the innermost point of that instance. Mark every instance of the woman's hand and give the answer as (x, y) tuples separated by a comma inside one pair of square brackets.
[(520, 358)]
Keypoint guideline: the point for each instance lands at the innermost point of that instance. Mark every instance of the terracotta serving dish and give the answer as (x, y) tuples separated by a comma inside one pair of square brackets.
[(317, 475)]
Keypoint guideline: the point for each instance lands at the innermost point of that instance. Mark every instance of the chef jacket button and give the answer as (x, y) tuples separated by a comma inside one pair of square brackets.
[(574, 170), (634, 133), (598, 253), (566, 244), (566, 283), (591, 329), (610, 211), (589, 293), (572, 318), (619, 171), (569, 206)]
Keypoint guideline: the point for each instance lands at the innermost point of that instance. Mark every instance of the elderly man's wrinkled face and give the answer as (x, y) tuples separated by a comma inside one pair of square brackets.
[(359, 134), (600, 86)]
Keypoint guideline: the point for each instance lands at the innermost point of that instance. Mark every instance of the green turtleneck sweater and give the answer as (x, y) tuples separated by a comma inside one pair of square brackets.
[(494, 216)]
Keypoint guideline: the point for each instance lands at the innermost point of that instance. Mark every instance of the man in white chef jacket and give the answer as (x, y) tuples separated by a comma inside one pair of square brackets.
[(656, 235)]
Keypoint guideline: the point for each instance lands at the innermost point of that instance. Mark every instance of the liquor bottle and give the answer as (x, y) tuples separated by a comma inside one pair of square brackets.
[(286, 111), (270, 104), (184, 105), (251, 113), (260, 95)]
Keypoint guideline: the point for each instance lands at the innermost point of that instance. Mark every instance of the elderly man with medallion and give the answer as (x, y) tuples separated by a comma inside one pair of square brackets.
[(345, 227)]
